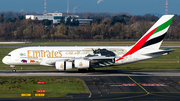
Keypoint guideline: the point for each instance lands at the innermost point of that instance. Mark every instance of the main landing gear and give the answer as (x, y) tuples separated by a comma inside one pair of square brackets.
[(86, 70), (13, 68), (91, 69), (82, 70)]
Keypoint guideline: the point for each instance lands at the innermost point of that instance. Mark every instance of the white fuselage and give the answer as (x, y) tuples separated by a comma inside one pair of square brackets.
[(47, 56)]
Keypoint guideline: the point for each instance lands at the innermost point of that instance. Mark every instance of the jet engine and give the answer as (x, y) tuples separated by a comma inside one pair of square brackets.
[(81, 63), (63, 65)]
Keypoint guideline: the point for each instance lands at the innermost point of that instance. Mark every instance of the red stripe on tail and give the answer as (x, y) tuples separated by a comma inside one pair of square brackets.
[(137, 46)]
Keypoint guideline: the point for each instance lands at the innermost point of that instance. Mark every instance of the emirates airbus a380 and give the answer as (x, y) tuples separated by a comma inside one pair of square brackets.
[(89, 57)]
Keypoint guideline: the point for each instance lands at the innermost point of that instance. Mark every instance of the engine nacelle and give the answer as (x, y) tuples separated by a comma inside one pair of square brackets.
[(81, 63), (63, 65)]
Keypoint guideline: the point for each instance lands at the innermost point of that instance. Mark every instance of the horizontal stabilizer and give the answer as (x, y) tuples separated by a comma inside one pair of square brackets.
[(164, 52)]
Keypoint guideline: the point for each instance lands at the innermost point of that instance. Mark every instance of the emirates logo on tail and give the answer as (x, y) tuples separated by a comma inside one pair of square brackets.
[(81, 64), (61, 66)]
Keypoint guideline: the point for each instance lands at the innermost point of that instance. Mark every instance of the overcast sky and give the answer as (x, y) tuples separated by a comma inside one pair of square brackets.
[(135, 7)]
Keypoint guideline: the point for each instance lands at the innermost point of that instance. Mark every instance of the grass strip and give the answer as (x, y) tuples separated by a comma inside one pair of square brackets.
[(12, 87), (98, 43)]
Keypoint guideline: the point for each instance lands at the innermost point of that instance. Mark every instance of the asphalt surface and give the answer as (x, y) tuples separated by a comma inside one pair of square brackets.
[(95, 73), (134, 88), (130, 86)]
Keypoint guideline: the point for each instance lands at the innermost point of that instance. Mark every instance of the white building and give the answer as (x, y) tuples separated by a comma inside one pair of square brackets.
[(55, 17)]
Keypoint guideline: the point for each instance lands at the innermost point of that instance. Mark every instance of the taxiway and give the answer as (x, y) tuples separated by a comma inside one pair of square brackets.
[(116, 84), (96, 73)]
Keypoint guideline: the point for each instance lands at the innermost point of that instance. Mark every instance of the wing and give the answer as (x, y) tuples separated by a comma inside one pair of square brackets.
[(94, 60), (101, 61)]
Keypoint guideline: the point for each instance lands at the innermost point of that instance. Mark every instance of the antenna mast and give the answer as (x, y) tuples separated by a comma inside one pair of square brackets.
[(45, 7), (166, 7), (67, 6)]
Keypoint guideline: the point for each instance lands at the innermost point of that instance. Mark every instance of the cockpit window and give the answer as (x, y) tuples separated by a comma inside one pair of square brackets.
[(9, 55)]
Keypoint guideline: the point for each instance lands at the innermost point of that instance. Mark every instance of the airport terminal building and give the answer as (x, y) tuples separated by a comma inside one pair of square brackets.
[(55, 17)]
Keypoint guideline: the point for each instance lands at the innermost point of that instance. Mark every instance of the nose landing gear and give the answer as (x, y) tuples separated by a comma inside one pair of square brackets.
[(13, 68)]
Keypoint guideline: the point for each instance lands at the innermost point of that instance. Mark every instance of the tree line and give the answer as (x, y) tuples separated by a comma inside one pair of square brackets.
[(120, 26)]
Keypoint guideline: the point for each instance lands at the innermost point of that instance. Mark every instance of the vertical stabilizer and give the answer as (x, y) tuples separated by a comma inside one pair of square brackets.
[(155, 35), (153, 38)]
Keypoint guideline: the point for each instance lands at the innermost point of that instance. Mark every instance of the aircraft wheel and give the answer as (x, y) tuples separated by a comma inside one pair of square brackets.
[(79, 70), (14, 70)]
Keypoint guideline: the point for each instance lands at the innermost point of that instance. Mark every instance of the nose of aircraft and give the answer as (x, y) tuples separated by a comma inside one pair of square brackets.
[(4, 60)]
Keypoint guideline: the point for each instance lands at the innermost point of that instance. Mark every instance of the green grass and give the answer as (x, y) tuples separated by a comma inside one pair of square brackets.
[(73, 44), (171, 43), (32, 96), (55, 86)]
